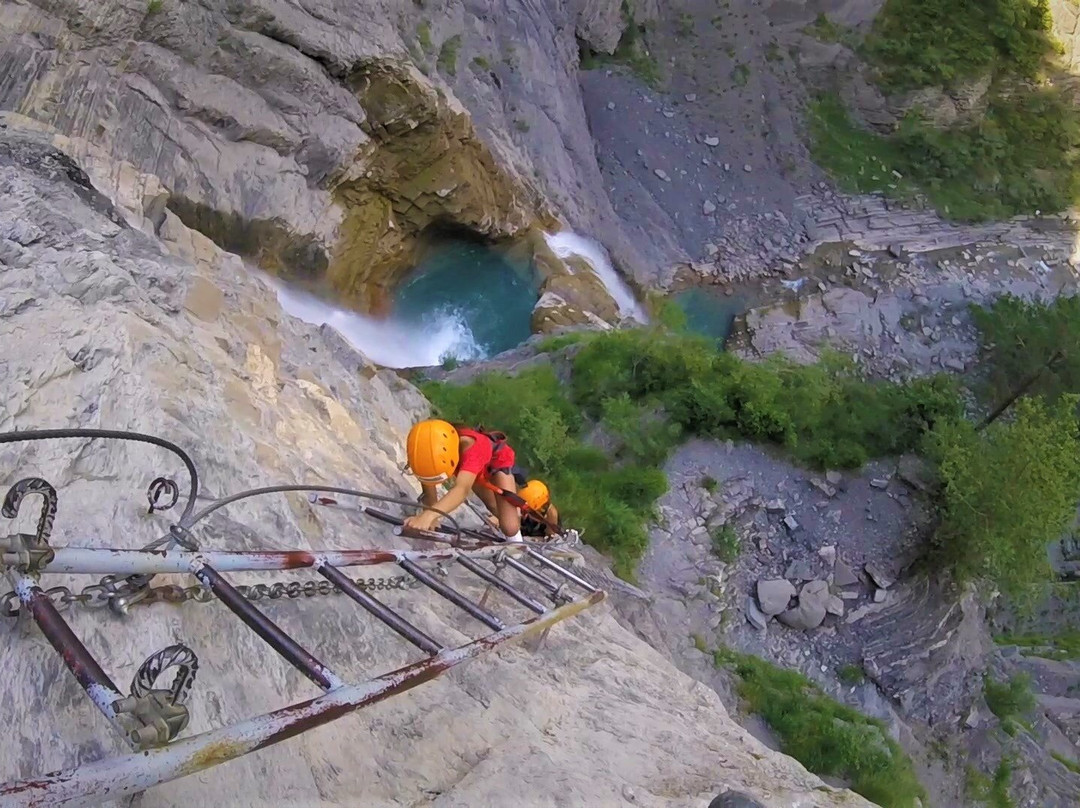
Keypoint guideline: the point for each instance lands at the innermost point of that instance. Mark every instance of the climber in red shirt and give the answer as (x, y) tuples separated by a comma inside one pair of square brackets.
[(439, 450)]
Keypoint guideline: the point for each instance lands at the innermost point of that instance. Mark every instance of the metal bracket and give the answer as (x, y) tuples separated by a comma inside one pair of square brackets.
[(160, 715), (23, 552)]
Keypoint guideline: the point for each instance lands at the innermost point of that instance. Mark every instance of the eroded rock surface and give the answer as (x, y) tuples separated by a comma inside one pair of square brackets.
[(104, 327)]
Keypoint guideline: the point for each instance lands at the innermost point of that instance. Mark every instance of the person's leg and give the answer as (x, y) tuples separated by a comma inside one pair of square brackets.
[(509, 515)]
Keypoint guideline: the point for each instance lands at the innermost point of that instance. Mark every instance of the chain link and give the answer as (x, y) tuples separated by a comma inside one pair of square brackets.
[(107, 589)]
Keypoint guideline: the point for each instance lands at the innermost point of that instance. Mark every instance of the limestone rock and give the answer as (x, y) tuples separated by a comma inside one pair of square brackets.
[(879, 576), (774, 595), (553, 313), (811, 610), (843, 575), (259, 398), (754, 616)]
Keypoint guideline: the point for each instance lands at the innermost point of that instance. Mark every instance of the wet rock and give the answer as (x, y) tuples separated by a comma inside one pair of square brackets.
[(774, 595), (843, 575), (879, 576), (754, 616)]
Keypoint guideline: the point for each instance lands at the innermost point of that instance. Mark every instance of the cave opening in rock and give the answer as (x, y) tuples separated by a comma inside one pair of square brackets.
[(474, 298)]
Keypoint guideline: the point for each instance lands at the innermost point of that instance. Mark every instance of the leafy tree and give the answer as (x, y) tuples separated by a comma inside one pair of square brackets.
[(1007, 491)]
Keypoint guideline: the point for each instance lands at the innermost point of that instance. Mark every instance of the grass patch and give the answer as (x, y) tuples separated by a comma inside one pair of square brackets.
[(423, 34), (994, 793), (726, 544), (1021, 157), (154, 6), (699, 643), (685, 26), (922, 43), (740, 75), (828, 738), (825, 30), (709, 483), (851, 675), (1063, 646), (1010, 701), (1068, 763), (448, 55), (480, 64)]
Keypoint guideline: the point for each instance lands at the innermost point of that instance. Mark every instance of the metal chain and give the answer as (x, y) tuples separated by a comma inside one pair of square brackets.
[(105, 591)]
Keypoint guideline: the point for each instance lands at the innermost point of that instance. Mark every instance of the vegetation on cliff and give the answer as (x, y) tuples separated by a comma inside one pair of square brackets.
[(1015, 152), (635, 395)]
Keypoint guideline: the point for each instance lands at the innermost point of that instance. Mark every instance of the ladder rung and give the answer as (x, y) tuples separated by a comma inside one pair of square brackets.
[(267, 629), (380, 610), (499, 583), (452, 595), (532, 574), (561, 570)]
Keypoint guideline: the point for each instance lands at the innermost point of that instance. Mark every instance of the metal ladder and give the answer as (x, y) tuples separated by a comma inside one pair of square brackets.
[(151, 717)]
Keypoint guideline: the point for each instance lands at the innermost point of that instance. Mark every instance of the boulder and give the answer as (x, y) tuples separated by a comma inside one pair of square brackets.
[(810, 613), (774, 595), (843, 575)]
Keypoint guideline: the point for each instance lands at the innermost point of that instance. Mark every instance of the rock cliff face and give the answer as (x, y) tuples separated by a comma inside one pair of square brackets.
[(303, 136), (104, 325)]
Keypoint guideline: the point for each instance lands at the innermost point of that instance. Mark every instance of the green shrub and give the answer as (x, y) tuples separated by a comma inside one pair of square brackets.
[(1010, 701), (726, 544), (993, 793), (851, 675), (1062, 646), (825, 736), (920, 43), (448, 55), (1006, 492), (1019, 336), (423, 34), (649, 389)]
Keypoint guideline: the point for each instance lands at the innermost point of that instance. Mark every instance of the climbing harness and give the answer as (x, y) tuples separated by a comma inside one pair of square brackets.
[(154, 712)]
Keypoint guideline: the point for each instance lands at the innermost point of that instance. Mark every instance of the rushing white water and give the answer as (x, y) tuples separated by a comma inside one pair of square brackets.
[(566, 244), (391, 342)]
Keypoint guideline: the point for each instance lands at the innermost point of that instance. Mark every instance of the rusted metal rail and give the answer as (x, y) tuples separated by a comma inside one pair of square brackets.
[(151, 717)]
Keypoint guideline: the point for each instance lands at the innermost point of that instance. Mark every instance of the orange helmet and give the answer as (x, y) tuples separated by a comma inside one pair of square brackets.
[(433, 450), (535, 494)]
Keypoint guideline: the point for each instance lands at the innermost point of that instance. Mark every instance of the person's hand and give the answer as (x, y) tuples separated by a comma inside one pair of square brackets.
[(423, 521)]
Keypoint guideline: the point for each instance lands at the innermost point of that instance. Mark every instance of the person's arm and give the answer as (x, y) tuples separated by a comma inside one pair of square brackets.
[(552, 518), (453, 499)]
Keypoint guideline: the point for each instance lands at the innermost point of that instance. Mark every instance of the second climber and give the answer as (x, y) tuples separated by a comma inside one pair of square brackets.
[(439, 451)]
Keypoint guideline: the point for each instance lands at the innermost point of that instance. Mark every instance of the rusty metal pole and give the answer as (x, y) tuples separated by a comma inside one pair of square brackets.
[(78, 659)]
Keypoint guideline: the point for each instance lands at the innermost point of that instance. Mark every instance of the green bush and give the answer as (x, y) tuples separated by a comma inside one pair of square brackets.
[(1007, 492), (824, 414), (1010, 701), (825, 736), (648, 390), (921, 43), (448, 55), (726, 544), (1018, 337), (992, 793)]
